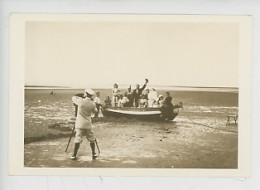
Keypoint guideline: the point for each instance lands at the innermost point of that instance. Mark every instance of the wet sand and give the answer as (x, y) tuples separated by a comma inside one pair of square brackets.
[(184, 143)]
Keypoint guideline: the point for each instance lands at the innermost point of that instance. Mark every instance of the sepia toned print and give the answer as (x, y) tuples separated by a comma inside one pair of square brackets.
[(135, 91)]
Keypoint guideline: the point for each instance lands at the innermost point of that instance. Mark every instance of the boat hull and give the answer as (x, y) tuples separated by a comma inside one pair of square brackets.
[(139, 113)]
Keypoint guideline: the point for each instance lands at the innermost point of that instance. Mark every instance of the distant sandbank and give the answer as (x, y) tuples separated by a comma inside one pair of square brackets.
[(175, 88)]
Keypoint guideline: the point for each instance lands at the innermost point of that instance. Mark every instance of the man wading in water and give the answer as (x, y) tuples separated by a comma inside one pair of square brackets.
[(83, 125)]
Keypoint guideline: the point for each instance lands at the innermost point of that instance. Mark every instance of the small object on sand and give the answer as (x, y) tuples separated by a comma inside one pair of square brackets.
[(230, 117)]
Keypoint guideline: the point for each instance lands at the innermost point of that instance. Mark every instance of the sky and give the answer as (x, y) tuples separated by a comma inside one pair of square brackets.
[(89, 54)]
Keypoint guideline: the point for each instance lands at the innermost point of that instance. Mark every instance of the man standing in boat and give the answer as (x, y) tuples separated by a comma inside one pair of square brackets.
[(83, 125), (129, 96), (137, 93)]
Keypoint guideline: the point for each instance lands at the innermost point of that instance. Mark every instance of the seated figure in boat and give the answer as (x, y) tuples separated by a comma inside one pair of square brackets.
[(144, 99), (115, 93), (107, 101), (159, 101), (167, 107), (137, 93), (152, 98), (123, 101)]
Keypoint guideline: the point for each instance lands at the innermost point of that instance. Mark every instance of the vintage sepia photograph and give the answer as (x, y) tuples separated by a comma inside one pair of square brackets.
[(134, 91)]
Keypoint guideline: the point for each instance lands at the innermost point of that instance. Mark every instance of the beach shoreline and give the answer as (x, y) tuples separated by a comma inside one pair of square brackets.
[(143, 144), (197, 138)]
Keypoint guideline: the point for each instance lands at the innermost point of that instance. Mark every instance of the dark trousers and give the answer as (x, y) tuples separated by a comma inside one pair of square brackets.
[(167, 111), (76, 110), (136, 102)]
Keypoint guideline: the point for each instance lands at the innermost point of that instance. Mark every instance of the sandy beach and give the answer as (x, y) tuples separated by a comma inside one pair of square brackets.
[(135, 144), (197, 138)]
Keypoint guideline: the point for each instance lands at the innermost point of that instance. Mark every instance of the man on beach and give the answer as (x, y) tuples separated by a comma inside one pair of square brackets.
[(97, 101), (83, 125), (167, 107), (75, 105)]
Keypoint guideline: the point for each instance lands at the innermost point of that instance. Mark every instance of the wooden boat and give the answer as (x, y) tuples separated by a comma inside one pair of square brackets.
[(142, 113)]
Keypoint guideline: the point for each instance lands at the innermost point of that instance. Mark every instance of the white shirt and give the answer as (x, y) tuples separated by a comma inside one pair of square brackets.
[(124, 100), (152, 95), (85, 108), (97, 100)]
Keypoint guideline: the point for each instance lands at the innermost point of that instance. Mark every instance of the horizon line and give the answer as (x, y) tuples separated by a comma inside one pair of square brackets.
[(105, 86)]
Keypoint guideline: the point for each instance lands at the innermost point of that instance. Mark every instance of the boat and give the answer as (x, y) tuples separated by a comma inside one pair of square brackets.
[(141, 113)]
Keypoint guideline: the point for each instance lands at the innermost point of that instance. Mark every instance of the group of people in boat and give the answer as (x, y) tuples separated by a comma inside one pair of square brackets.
[(142, 98), (139, 97), (128, 99)]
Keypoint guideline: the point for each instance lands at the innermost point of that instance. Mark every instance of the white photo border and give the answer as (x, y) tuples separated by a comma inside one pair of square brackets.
[(16, 95)]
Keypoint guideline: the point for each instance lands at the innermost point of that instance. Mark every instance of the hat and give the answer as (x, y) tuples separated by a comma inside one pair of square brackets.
[(160, 96), (89, 91)]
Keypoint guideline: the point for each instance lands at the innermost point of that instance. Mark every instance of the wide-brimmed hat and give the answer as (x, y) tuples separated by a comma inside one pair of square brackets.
[(89, 91)]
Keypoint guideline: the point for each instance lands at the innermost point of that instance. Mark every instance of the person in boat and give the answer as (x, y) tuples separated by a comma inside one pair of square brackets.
[(119, 100), (152, 98), (123, 100), (97, 102), (83, 125), (107, 101), (159, 101), (137, 93), (129, 96), (167, 107), (144, 99), (115, 93)]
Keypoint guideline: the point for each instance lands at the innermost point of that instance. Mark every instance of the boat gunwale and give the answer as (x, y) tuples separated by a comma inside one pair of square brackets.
[(135, 111), (133, 108)]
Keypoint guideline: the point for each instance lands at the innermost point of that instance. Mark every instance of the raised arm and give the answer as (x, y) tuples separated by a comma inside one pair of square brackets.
[(146, 81)]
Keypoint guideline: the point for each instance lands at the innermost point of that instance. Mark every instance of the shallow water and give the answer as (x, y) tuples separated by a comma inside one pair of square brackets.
[(197, 138), (43, 109)]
